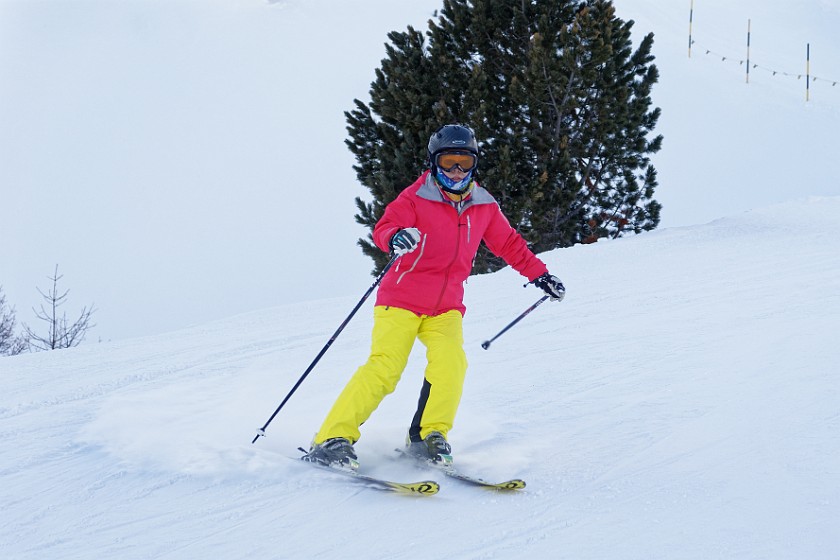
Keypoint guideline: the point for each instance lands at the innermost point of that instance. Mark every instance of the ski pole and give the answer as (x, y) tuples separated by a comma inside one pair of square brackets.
[(486, 343), (261, 431)]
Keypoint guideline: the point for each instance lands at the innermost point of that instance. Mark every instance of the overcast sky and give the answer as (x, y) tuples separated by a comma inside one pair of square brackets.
[(184, 161)]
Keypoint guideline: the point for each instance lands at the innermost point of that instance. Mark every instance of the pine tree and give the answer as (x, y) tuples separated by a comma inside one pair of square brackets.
[(559, 101)]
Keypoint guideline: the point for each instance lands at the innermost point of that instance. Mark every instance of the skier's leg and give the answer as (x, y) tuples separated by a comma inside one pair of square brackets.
[(394, 331), (443, 337)]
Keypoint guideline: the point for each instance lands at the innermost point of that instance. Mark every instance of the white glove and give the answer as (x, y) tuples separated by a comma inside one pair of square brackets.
[(404, 241)]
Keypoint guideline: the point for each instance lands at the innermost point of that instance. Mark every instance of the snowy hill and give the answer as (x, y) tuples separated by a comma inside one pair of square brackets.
[(683, 402)]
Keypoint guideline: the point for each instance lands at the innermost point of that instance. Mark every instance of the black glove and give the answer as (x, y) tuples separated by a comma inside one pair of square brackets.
[(552, 286), (404, 241)]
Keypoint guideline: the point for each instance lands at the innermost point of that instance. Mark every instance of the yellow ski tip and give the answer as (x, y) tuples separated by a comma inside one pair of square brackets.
[(424, 488)]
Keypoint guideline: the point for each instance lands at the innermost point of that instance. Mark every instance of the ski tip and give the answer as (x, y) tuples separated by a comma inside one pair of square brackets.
[(423, 488), (515, 484)]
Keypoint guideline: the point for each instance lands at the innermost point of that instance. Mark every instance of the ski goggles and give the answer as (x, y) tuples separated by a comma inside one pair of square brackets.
[(448, 161)]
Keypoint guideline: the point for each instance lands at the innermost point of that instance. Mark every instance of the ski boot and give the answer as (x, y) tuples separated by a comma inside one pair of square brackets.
[(433, 448), (335, 452)]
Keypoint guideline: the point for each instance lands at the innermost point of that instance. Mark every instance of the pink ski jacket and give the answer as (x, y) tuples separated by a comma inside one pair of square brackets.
[(430, 280)]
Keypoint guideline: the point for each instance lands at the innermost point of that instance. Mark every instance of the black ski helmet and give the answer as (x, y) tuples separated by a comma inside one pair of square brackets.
[(452, 137)]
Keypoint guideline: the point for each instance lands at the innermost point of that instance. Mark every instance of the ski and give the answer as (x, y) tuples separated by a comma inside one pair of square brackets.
[(422, 488), (512, 484), (449, 470)]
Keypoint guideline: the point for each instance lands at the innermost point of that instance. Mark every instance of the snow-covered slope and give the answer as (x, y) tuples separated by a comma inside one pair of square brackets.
[(681, 403)]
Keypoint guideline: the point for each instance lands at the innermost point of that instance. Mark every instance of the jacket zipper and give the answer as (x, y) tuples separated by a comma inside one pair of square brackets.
[(454, 257)]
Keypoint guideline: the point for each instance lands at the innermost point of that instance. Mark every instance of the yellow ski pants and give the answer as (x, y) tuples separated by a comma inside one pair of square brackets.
[(394, 332)]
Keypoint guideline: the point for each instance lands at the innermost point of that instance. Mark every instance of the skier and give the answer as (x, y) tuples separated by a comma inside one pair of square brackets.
[(435, 226)]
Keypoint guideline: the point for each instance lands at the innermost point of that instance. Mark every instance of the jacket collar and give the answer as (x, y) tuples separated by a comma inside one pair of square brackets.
[(430, 190)]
